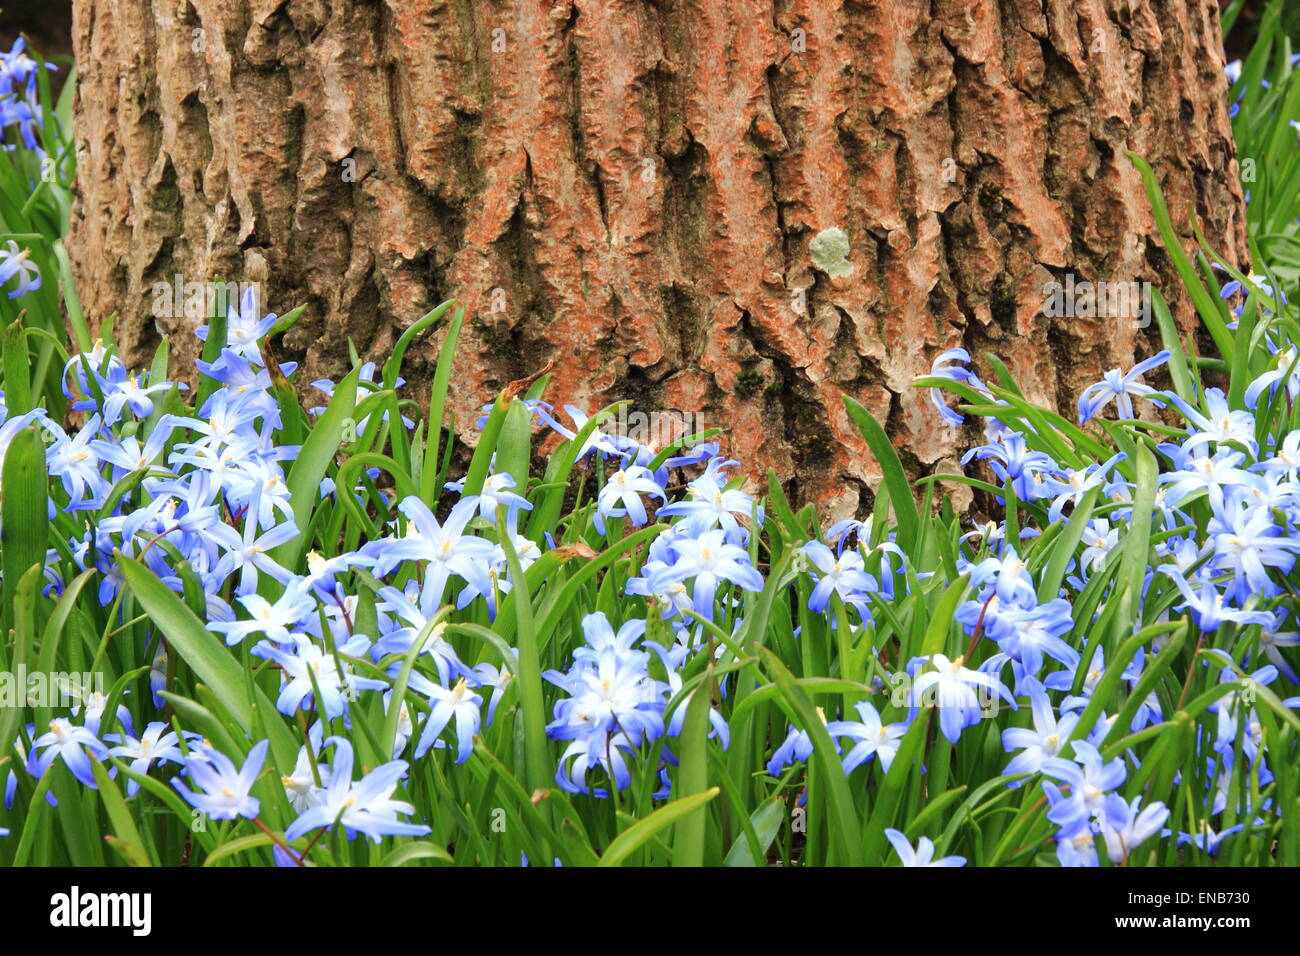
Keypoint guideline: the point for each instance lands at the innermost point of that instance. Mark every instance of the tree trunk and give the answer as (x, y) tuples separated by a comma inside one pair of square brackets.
[(632, 188)]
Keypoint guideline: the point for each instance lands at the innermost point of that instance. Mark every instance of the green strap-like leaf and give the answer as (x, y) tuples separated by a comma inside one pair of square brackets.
[(900, 492), (185, 633), (639, 833), (1201, 298), (24, 514), (313, 461)]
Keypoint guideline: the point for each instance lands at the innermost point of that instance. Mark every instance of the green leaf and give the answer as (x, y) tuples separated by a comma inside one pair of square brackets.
[(481, 462), (119, 817), (437, 401), (845, 828), (514, 446), (285, 322), (1173, 345), (941, 619), (886, 804), (185, 633), (547, 513), (252, 841), (34, 821), (766, 823), (1064, 547), (24, 515), (576, 849), (781, 508), (563, 604), (17, 369), (23, 636), (539, 764), (313, 462), (639, 833), (1205, 304), (1137, 543), (76, 318), (693, 776), (393, 716), (900, 492), (417, 850), (393, 364)]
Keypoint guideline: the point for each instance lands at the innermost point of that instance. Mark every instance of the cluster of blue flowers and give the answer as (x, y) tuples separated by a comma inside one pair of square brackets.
[(212, 507), (1226, 519), (21, 120), (20, 107), (202, 500)]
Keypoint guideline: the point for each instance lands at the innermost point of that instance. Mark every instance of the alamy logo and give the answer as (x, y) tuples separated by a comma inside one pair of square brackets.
[(76, 909), (199, 300), (48, 688), (1113, 300), (656, 430)]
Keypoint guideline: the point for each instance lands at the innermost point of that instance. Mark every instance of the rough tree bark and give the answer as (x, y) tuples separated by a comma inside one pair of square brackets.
[(642, 179)]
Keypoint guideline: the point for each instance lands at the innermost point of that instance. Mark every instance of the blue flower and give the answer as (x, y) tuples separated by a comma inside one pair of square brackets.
[(310, 664), (1247, 542), (275, 620), (1043, 742), (621, 496), (410, 621), (366, 386), (1090, 780), (950, 364), (1271, 641), (596, 440), (796, 748), (249, 384), (71, 743), (1026, 633), (496, 492), (156, 743), (250, 553), (225, 790), (1077, 483), (610, 689), (1120, 387), (446, 547), (1012, 461), (1208, 839), (951, 687), (364, 806), (871, 737), (459, 703), (1012, 582), (843, 575), (708, 561), (1286, 369), (16, 263), (498, 678), (1207, 605), (1124, 826), (1219, 425), (581, 756), (73, 460), (715, 504), (243, 328), (1200, 472), (923, 855)]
